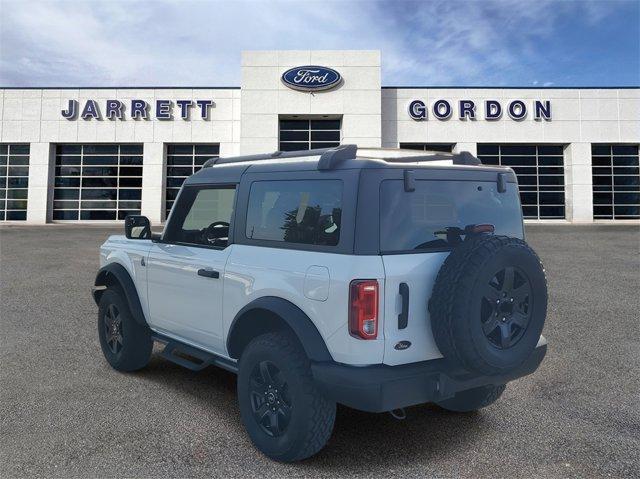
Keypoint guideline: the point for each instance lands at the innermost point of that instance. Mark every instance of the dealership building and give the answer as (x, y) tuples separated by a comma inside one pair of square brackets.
[(98, 154)]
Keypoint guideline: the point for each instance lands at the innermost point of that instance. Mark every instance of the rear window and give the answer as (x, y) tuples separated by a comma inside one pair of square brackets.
[(434, 216), (301, 211)]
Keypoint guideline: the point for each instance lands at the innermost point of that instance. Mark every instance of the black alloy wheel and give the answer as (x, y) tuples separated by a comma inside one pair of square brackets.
[(489, 304), (286, 415), (113, 329), (270, 399), (125, 342), (506, 307)]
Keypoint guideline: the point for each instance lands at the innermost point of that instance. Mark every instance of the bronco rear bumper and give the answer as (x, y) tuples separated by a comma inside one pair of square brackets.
[(383, 388)]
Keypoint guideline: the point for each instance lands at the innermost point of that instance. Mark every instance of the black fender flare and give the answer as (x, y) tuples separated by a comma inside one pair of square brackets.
[(242, 330), (117, 273)]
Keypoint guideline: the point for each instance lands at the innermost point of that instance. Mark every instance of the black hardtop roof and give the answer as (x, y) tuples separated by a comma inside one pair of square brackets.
[(230, 169)]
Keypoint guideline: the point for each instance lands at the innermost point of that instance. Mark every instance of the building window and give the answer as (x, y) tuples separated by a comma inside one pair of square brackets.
[(443, 147), (14, 182), (308, 134), (540, 172), (182, 162), (616, 182), (97, 182)]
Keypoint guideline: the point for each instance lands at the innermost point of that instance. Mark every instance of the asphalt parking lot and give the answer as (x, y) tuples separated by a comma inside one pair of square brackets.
[(65, 413)]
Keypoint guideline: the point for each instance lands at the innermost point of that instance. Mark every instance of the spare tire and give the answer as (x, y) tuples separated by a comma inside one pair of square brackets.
[(489, 304)]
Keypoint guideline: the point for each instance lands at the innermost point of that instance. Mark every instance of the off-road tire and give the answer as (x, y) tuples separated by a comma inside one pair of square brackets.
[(455, 303), (136, 343), (312, 415), (473, 399)]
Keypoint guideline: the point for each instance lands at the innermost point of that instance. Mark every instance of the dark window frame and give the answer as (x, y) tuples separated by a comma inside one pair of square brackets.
[(21, 154), (309, 143), (604, 176), (103, 158), (537, 183)]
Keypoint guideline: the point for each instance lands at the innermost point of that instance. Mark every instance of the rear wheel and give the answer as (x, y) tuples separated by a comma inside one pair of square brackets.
[(473, 399), (125, 343), (286, 416)]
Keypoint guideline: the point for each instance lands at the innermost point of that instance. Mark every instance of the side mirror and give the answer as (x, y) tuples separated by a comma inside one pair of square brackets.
[(137, 227)]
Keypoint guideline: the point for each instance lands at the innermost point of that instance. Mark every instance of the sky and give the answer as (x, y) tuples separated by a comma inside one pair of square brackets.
[(427, 43)]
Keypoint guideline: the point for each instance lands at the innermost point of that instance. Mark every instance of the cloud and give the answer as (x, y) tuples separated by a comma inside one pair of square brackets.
[(187, 43)]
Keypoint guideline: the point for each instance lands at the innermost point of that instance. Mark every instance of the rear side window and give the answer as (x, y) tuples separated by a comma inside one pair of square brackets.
[(434, 216), (300, 211)]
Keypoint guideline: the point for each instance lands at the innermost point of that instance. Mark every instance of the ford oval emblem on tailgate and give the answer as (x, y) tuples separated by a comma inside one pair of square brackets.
[(311, 78), (402, 345)]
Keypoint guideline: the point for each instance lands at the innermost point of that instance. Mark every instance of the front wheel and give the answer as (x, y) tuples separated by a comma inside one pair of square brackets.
[(125, 343), (286, 416), (473, 399)]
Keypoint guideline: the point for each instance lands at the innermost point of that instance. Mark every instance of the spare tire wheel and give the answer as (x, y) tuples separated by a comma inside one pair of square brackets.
[(489, 304)]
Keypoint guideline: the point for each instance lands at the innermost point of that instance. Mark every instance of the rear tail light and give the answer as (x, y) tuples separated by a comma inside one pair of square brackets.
[(363, 308)]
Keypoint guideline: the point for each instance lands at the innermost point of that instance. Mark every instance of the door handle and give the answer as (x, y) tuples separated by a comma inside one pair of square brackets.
[(403, 317), (208, 273)]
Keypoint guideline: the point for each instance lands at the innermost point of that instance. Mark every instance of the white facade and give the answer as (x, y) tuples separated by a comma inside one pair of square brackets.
[(246, 120)]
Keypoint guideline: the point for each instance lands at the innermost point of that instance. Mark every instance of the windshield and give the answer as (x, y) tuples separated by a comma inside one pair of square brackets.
[(439, 214)]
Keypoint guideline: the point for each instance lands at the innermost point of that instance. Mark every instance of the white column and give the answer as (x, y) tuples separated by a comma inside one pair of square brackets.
[(153, 181), (470, 147), (40, 193), (578, 183)]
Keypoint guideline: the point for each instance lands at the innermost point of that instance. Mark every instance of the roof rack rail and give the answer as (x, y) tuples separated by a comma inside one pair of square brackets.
[(330, 158), (265, 156), (465, 158), (462, 158)]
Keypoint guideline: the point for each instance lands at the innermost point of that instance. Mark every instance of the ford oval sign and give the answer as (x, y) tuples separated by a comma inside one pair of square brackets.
[(311, 78), (402, 345)]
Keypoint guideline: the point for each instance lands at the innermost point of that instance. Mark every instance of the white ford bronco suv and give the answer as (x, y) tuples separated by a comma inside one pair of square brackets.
[(378, 279)]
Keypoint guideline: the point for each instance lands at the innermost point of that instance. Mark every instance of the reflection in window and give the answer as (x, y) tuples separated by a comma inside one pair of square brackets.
[(616, 181), (306, 212), (540, 172)]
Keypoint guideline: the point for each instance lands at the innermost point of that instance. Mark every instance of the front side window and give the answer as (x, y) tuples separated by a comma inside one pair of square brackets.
[(304, 212), (202, 217)]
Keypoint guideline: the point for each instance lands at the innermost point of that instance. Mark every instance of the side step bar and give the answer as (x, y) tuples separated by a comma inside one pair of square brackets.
[(192, 358)]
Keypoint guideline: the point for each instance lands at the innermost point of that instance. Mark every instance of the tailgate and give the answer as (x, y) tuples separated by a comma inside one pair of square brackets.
[(418, 272), (419, 226)]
